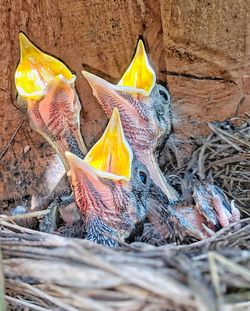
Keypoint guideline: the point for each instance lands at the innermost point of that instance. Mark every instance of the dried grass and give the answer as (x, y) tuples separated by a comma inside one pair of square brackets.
[(223, 157), (49, 272)]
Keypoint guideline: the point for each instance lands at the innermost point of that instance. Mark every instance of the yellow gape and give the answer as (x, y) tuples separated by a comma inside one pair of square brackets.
[(112, 153), (110, 157), (139, 74), (36, 70)]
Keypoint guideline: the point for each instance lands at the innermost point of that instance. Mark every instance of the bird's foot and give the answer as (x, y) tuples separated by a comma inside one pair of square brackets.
[(213, 204), (49, 222), (61, 205), (191, 223), (171, 223), (188, 224)]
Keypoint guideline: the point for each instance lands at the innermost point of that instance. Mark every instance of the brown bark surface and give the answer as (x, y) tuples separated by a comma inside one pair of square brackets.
[(200, 48)]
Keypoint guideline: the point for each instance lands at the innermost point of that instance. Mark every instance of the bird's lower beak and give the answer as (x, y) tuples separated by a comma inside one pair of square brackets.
[(87, 186), (110, 158), (57, 118), (96, 199), (110, 95), (157, 177), (80, 169)]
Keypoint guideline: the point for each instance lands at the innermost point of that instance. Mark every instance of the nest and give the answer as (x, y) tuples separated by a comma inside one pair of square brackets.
[(223, 158), (51, 272)]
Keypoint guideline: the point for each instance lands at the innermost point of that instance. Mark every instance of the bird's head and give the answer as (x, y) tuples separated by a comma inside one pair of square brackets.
[(109, 184), (46, 90), (145, 106)]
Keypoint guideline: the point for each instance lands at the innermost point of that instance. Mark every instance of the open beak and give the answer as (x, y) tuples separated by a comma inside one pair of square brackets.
[(79, 168), (139, 74), (131, 97), (110, 96), (46, 90), (36, 70), (111, 157), (133, 89)]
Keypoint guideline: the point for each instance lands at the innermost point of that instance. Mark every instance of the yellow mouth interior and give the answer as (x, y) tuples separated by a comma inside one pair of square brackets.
[(112, 154), (36, 69), (139, 74)]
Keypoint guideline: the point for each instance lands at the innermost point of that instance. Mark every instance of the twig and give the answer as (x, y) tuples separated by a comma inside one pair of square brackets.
[(19, 302), (216, 130), (11, 139), (215, 277), (229, 160), (54, 300), (220, 131), (4, 218), (2, 303)]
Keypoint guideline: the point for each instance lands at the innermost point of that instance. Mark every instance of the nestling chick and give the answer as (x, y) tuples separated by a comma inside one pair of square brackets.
[(145, 109), (110, 186), (46, 92)]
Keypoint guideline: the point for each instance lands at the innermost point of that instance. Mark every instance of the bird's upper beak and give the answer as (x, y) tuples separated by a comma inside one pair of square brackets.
[(36, 70), (109, 158), (139, 74), (138, 80)]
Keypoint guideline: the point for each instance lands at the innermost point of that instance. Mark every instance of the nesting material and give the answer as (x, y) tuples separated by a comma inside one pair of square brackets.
[(49, 272), (223, 158)]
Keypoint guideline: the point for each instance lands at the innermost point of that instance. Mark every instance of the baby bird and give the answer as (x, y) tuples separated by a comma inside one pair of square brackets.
[(145, 109), (110, 186), (47, 93), (146, 112)]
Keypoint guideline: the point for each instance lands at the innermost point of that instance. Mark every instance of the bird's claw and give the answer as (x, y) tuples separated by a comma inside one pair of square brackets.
[(60, 204), (212, 203), (49, 222)]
